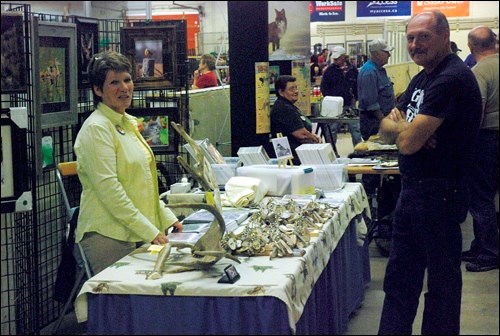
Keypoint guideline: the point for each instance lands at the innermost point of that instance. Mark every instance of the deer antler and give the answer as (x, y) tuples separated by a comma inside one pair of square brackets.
[(201, 171)]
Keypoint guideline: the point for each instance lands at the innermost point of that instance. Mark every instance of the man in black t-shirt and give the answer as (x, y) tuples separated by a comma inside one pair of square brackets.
[(434, 127)]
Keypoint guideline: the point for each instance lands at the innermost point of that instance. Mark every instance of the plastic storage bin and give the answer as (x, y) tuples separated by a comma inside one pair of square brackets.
[(330, 177), (282, 181), (224, 171)]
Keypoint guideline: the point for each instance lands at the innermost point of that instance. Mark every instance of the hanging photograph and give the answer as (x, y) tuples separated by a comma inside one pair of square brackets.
[(154, 126), (55, 69), (355, 50), (14, 181), (13, 72), (87, 39), (289, 32), (152, 52), (274, 73)]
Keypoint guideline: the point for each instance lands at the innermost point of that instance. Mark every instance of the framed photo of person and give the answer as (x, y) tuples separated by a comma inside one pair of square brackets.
[(87, 36), (152, 53), (55, 68), (13, 74)]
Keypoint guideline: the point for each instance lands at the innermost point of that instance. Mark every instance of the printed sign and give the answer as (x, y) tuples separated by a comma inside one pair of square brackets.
[(448, 8), (327, 11), (383, 8)]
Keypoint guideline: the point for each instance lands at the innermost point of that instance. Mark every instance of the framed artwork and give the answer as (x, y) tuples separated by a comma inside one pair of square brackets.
[(152, 53), (14, 160), (355, 50), (367, 48), (282, 148), (154, 125), (87, 38), (55, 66), (13, 74), (274, 73)]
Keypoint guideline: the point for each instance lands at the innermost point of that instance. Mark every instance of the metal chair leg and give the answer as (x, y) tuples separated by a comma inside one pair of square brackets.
[(69, 302)]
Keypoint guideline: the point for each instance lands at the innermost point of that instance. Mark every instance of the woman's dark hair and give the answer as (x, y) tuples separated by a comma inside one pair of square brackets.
[(280, 84), (99, 66)]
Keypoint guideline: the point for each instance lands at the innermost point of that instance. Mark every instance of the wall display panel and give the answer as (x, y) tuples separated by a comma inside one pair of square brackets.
[(13, 73)]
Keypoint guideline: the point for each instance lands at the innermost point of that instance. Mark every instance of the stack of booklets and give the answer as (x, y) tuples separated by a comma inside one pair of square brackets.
[(253, 155), (211, 154), (201, 220), (184, 237), (316, 154), (330, 175)]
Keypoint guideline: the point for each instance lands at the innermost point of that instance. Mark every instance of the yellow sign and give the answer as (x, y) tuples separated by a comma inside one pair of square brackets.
[(301, 71), (262, 109)]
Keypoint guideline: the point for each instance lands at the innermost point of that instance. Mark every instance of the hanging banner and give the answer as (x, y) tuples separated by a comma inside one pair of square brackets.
[(289, 30), (327, 11), (262, 106), (384, 8), (448, 8)]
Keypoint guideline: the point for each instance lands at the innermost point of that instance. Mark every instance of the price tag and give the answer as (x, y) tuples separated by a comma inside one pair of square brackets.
[(155, 249)]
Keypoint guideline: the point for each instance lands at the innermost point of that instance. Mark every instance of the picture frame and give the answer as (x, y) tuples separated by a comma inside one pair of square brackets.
[(230, 276), (14, 180), (282, 148), (274, 74), (155, 127), (55, 63), (153, 54), (355, 50), (367, 48), (13, 74), (87, 38)]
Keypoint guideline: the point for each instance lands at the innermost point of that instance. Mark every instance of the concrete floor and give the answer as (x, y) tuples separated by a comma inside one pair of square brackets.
[(480, 300)]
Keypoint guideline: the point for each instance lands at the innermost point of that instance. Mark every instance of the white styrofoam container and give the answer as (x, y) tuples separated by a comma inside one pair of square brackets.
[(282, 181), (331, 106)]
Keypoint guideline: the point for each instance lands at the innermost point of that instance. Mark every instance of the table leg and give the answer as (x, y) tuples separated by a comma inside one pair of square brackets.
[(328, 137)]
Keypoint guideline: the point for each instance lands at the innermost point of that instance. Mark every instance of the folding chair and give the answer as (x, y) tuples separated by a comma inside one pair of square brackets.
[(66, 169)]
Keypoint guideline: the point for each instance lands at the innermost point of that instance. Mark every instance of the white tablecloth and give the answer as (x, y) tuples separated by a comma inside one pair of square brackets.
[(289, 279)]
